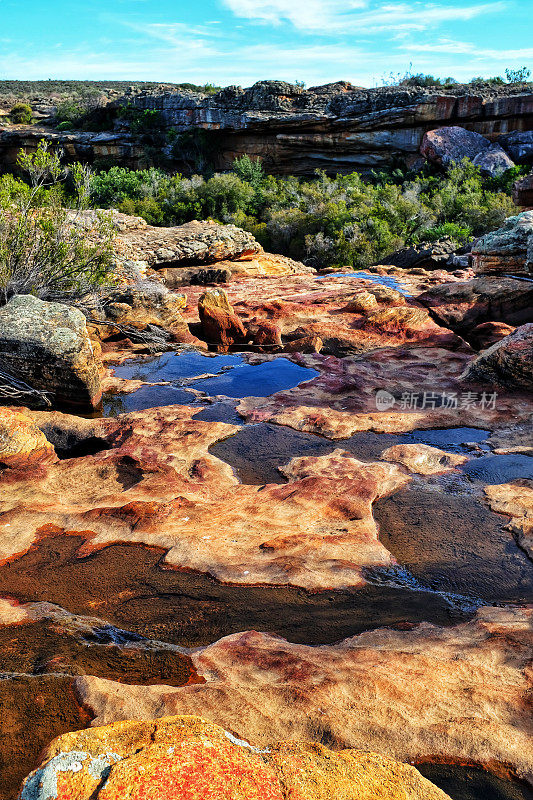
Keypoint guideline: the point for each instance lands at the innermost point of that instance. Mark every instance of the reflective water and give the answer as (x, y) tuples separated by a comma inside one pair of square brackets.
[(384, 280), (190, 371)]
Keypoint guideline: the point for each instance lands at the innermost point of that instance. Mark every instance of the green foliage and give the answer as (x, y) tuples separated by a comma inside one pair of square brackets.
[(520, 75), (326, 221), (69, 111), (494, 81), (140, 120), (46, 247), (65, 126), (21, 114)]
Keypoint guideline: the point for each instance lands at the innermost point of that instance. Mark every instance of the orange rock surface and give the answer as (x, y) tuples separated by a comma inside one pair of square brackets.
[(22, 444), (185, 758), (457, 694)]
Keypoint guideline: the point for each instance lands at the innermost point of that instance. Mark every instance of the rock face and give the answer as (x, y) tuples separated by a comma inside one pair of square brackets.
[(22, 444), (508, 249), (186, 758), (515, 499), (221, 326), (509, 362), (338, 128), (493, 161), (458, 693), (488, 333), (47, 346), (466, 305)]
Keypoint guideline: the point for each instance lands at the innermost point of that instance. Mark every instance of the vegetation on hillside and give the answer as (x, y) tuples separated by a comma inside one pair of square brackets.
[(328, 221)]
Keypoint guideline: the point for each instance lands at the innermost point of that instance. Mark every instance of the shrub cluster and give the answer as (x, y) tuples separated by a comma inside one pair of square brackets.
[(342, 221)]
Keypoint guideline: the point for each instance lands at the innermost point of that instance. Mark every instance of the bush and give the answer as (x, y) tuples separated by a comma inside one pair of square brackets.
[(65, 126), (21, 114), (44, 250), (520, 75)]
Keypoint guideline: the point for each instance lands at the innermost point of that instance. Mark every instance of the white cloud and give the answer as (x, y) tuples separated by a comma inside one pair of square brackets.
[(337, 17)]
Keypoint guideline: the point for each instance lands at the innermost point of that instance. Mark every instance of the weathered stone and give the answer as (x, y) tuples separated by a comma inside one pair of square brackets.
[(221, 326), (429, 255), (463, 306), (516, 500), (362, 302), (47, 346), (423, 459), (493, 161), (509, 362), (519, 145), (186, 758), (488, 333), (452, 144), (22, 444), (523, 191), (508, 249), (459, 694)]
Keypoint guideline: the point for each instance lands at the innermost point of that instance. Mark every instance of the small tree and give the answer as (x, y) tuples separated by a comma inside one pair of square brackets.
[(21, 114), (520, 75), (249, 170), (47, 248)]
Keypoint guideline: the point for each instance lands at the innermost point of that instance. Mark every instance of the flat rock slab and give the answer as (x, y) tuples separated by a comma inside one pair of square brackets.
[(470, 704)]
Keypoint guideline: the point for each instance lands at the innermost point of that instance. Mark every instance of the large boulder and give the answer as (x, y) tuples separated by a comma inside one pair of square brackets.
[(446, 145), (221, 326), (194, 243), (47, 346), (463, 306), (493, 161), (508, 249), (519, 145), (428, 255), (185, 758), (508, 363)]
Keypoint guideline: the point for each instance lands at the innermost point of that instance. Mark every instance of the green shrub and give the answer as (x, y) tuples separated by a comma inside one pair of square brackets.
[(65, 126), (520, 75), (21, 114), (44, 250)]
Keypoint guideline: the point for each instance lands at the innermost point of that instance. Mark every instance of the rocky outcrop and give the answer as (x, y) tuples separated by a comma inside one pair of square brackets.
[(459, 694), (47, 346), (423, 459), (22, 444), (189, 244), (509, 362), (451, 144), (508, 249), (221, 327), (463, 306), (488, 333), (429, 255), (259, 265), (338, 128), (187, 758)]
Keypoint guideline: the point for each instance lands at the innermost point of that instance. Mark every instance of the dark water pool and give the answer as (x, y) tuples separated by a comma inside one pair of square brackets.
[(471, 783), (385, 280), (227, 375), (494, 469)]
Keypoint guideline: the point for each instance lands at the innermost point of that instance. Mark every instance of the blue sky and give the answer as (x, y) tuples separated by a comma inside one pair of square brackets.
[(241, 41)]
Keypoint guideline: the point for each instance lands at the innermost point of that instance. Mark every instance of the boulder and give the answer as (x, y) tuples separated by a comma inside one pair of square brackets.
[(462, 306), (47, 346), (508, 363), (494, 161), (428, 255), (447, 145), (519, 145), (362, 302), (220, 325), (22, 444), (523, 191), (488, 333), (186, 758), (195, 243), (508, 249)]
